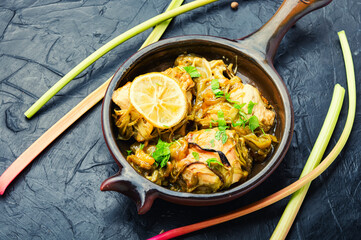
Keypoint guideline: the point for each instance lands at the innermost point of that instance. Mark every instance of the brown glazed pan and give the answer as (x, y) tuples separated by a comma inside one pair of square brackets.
[(253, 55)]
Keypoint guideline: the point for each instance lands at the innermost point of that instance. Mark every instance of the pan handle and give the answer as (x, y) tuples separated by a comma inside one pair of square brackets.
[(132, 186), (267, 39)]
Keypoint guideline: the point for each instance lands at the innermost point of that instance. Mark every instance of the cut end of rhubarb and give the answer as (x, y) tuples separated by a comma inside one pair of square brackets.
[(2, 188)]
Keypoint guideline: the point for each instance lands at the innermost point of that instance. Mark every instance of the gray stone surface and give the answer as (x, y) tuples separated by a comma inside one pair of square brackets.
[(58, 196)]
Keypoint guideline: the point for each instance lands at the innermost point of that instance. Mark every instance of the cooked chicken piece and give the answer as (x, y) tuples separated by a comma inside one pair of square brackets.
[(249, 93), (185, 81), (207, 104), (195, 172), (199, 178), (209, 114), (121, 96), (206, 140), (201, 64)]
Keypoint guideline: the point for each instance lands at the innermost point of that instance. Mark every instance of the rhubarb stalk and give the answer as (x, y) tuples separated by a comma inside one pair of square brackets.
[(314, 159)]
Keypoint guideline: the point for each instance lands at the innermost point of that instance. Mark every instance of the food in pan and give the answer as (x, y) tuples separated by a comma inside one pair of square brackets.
[(197, 127)]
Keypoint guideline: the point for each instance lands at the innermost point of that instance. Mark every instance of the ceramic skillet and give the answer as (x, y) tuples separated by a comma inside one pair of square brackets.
[(253, 55)]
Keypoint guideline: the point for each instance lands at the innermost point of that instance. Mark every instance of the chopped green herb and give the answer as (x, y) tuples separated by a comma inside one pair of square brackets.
[(221, 135), (253, 123), (218, 135), (228, 98), (212, 143), (215, 84), (239, 123), (141, 146), (162, 153), (129, 152), (210, 124), (243, 115), (193, 72), (263, 131), (213, 160), (250, 107), (239, 106), (222, 126), (195, 155), (165, 126), (224, 137), (215, 88)]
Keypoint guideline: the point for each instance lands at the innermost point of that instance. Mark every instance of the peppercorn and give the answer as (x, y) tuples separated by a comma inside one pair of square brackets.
[(234, 5)]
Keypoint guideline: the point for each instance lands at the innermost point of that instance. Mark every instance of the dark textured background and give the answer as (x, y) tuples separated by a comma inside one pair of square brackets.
[(58, 196)]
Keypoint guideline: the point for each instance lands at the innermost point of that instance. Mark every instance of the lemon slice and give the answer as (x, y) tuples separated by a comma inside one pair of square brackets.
[(159, 99)]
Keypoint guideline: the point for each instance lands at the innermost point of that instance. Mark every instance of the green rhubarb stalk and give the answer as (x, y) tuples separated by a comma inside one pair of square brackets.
[(314, 159), (297, 198), (161, 27), (109, 46)]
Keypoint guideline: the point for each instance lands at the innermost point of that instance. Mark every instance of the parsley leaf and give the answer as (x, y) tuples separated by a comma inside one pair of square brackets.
[(193, 72), (162, 153), (213, 160), (215, 88), (250, 107), (218, 135), (263, 131), (239, 123), (236, 104), (228, 98), (253, 123), (239, 106), (129, 152), (222, 126), (224, 137), (195, 155), (221, 135), (141, 146), (243, 115)]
